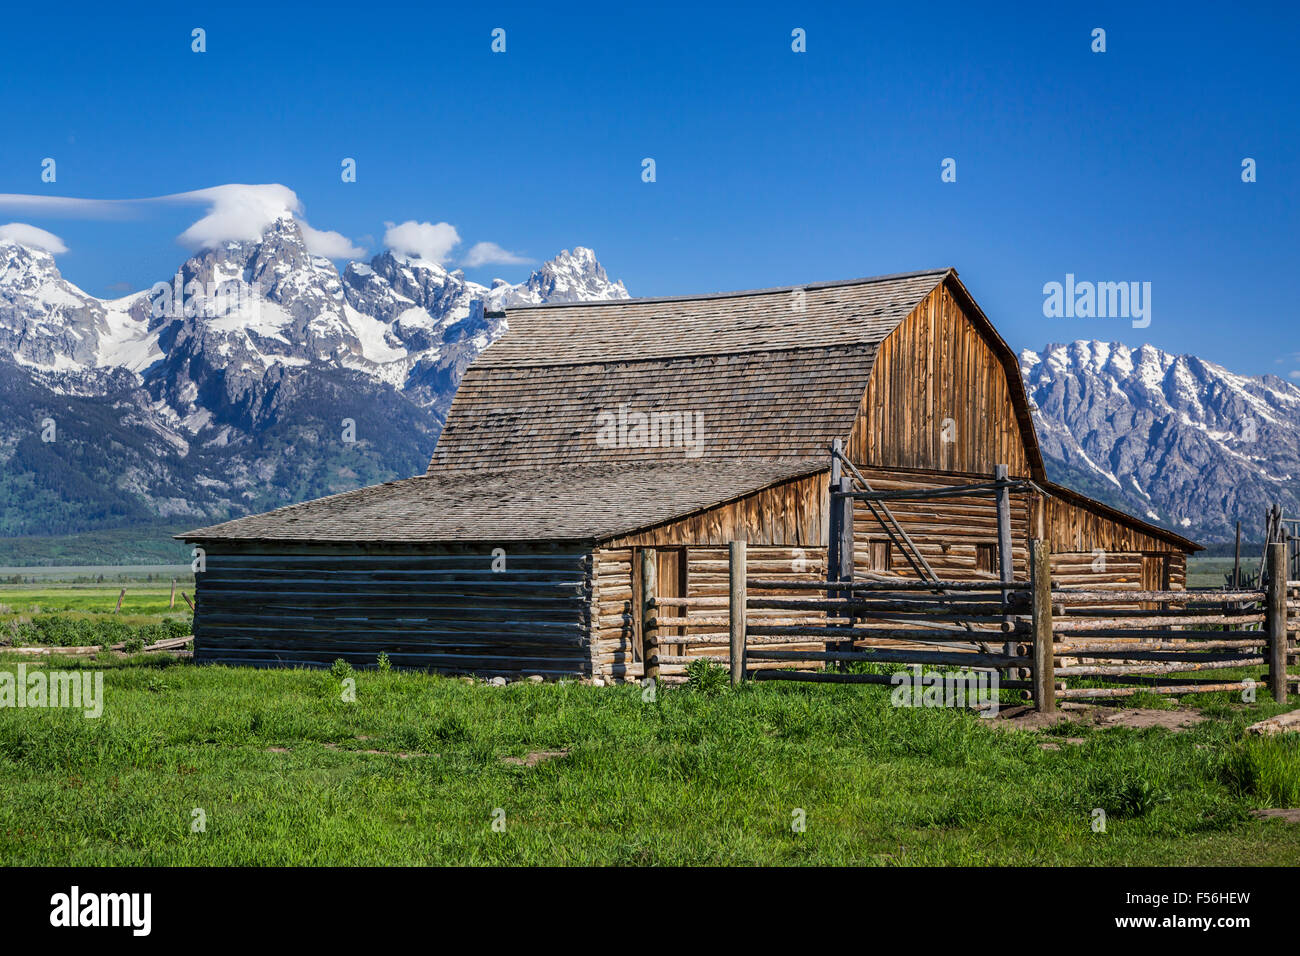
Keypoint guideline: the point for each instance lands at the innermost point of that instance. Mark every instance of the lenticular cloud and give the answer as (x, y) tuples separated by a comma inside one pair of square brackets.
[(236, 212), (25, 235)]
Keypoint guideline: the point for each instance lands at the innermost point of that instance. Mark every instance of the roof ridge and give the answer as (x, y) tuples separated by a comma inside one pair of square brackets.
[(674, 356), (736, 294)]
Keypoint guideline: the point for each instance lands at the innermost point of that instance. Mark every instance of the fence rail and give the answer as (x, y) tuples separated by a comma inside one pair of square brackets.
[(1040, 638)]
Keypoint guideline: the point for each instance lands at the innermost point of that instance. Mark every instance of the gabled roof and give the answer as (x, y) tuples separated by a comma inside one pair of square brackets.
[(575, 503), (821, 314), (771, 372)]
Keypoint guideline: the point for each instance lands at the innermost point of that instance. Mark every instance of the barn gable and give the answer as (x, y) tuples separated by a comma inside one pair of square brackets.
[(939, 383)]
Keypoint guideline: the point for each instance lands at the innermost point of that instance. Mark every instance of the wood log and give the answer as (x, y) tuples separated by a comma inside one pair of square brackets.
[(900, 584), (837, 677), (1098, 670), (1061, 625), (1044, 680), (1126, 637), (1077, 692), (1180, 597), (1074, 648), (737, 598), (1275, 619), (971, 660)]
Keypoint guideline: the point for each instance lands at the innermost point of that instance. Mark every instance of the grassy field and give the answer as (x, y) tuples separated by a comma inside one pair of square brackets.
[(287, 772), (1209, 572), (140, 599)]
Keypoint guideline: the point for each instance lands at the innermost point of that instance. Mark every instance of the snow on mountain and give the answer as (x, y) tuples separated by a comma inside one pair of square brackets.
[(48, 323), (224, 386), (569, 277), (1174, 438)]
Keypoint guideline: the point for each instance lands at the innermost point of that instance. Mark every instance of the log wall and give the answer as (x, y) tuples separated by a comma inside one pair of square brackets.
[(437, 607)]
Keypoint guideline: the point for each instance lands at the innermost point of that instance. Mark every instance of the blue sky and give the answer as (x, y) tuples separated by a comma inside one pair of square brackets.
[(773, 167)]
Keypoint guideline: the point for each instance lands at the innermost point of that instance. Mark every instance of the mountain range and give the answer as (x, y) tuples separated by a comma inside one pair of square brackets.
[(261, 374), (1175, 439), (258, 375)]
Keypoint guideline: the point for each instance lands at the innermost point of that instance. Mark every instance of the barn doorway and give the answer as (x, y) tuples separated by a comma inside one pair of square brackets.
[(670, 581), (1155, 572), (1155, 577)]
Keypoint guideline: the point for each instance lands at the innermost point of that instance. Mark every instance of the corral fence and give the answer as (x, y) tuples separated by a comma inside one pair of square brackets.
[(1041, 639)]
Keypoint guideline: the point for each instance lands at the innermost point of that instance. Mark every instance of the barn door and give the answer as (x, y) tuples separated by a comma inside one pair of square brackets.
[(1155, 577), (1155, 572), (671, 580)]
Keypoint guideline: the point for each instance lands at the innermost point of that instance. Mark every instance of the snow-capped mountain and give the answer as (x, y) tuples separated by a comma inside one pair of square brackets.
[(48, 323), (224, 388), (1178, 440)]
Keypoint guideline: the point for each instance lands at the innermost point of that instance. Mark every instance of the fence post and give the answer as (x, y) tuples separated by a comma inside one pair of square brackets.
[(1040, 576), (1006, 563), (649, 613), (737, 616), (846, 532), (834, 535), (1275, 620)]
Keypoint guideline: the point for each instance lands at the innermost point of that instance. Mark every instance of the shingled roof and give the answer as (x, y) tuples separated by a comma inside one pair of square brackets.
[(575, 503), (768, 373)]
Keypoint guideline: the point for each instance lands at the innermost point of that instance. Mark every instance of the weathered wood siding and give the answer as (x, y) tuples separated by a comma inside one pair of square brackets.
[(1074, 527), (440, 607), (793, 513), (938, 398)]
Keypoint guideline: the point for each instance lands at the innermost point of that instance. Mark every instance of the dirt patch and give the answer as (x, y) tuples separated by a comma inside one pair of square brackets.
[(1290, 816), (1138, 718), (534, 758)]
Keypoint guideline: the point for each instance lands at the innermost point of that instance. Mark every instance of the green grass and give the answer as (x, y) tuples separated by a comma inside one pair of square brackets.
[(277, 761)]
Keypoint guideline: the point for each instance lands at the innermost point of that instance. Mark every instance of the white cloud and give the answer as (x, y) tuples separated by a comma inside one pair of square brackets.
[(235, 212), (432, 242), (26, 235), (489, 253), (67, 206), (331, 245)]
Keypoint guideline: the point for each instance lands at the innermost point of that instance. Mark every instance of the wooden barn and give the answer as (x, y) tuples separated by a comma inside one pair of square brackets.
[(590, 431)]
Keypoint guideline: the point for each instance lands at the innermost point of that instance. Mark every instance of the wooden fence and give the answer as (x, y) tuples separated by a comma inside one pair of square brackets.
[(1041, 639)]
